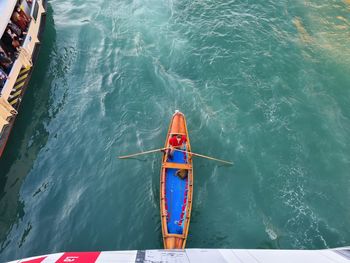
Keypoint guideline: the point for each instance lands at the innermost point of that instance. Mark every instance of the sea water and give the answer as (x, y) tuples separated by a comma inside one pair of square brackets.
[(264, 84)]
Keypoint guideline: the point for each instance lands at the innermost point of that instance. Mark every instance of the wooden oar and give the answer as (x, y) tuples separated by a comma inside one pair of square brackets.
[(136, 154), (204, 156)]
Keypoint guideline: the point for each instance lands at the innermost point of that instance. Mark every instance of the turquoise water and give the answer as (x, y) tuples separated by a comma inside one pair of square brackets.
[(262, 83)]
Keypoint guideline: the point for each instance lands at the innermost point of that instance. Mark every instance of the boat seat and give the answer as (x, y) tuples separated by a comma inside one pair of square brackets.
[(177, 165)]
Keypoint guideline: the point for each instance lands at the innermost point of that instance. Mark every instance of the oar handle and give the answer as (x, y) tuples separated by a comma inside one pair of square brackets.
[(204, 156)]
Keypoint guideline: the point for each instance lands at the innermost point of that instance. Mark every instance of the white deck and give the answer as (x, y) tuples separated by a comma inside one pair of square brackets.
[(340, 255), (6, 9)]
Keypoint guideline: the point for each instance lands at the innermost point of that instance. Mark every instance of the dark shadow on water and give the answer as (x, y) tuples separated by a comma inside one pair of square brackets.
[(28, 136)]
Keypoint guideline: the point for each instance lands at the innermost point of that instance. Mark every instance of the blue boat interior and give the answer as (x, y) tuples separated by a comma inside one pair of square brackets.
[(176, 190)]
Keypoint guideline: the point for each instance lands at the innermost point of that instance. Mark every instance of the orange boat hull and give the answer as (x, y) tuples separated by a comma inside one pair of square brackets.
[(173, 240)]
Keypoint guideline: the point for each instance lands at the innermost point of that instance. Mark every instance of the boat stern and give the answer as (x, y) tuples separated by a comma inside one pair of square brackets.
[(174, 243)]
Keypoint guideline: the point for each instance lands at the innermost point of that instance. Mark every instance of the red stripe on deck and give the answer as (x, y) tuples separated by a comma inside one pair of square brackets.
[(79, 257), (37, 260)]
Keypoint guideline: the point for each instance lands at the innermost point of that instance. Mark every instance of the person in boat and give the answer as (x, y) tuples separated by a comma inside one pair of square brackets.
[(176, 141), (182, 173)]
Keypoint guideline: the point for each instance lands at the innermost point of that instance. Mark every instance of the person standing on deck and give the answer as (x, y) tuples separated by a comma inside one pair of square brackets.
[(5, 61), (3, 78), (20, 18)]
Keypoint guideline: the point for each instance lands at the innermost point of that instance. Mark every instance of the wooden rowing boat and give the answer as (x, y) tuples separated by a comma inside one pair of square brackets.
[(175, 192)]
